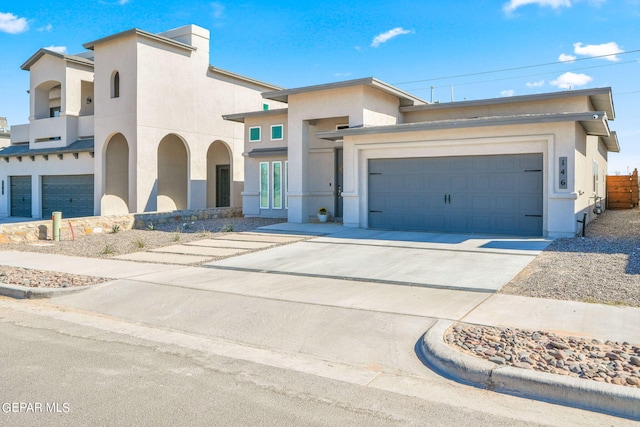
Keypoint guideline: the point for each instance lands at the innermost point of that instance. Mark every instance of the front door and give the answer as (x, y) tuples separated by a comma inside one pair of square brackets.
[(339, 184), (223, 186)]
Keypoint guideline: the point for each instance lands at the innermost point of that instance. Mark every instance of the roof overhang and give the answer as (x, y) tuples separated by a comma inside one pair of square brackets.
[(79, 146), (267, 152), (140, 33), (68, 58), (611, 142), (240, 117), (600, 98), (234, 76), (593, 122), (406, 99)]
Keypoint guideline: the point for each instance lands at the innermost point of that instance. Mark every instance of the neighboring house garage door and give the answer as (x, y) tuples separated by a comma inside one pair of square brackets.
[(472, 194), (21, 196), (70, 194)]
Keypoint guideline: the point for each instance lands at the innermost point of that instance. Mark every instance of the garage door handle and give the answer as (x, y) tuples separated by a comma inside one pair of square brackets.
[(447, 199), (535, 216), (375, 211), (70, 200)]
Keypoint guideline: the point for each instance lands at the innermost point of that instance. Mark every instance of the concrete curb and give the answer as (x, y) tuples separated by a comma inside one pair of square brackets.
[(610, 399), (26, 292)]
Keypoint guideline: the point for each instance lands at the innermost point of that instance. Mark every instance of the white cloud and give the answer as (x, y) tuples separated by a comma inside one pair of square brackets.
[(536, 84), (512, 5), (611, 49), (570, 80), (509, 92), (218, 9), (10, 23), (566, 58), (58, 49), (46, 28), (385, 37), (123, 2)]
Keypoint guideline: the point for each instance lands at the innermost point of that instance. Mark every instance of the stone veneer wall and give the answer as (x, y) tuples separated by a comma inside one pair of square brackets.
[(42, 230)]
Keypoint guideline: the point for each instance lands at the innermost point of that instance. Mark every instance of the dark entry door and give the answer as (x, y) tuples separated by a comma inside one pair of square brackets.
[(223, 186), (20, 196), (339, 183)]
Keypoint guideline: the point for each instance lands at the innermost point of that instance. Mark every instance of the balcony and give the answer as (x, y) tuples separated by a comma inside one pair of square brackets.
[(53, 132)]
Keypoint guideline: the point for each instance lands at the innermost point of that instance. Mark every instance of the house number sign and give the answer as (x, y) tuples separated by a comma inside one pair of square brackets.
[(562, 175)]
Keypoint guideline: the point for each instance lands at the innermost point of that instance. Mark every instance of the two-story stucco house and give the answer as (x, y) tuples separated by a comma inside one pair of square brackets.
[(134, 124), (378, 157)]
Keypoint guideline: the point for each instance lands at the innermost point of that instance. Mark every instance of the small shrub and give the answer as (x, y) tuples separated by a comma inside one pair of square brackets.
[(140, 243), (115, 228), (178, 235), (152, 227), (227, 228), (108, 250), (203, 231)]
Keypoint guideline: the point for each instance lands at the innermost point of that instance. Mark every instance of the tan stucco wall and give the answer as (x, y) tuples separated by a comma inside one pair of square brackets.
[(309, 184), (181, 97)]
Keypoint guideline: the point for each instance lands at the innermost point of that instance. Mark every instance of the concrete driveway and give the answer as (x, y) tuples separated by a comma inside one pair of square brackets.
[(357, 297), (442, 261)]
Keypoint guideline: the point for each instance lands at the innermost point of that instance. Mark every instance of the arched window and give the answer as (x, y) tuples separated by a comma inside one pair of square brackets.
[(115, 85)]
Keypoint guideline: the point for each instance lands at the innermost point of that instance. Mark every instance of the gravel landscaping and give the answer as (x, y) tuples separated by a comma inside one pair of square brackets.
[(603, 267), (110, 244), (609, 362)]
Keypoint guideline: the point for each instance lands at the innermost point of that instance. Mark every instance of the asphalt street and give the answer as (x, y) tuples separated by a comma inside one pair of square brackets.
[(95, 370)]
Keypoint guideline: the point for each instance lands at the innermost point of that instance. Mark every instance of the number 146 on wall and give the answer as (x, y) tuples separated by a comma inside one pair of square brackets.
[(562, 175)]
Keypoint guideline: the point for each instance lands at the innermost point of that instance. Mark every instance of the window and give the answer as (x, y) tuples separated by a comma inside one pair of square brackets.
[(276, 132), (254, 134), (265, 107), (54, 112), (115, 85), (286, 185), (264, 185), (277, 185)]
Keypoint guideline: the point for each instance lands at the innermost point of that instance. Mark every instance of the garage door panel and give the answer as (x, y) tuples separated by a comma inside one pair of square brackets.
[(70, 194), (20, 189), (487, 194), (437, 183)]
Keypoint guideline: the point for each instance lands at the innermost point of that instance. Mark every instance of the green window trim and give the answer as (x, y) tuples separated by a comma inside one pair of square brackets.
[(277, 185), (264, 185), (277, 132), (255, 134)]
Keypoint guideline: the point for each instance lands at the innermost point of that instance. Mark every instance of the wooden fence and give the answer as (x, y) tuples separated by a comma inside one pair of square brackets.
[(622, 191)]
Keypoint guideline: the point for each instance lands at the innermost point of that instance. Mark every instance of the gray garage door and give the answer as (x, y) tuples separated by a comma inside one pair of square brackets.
[(20, 196), (472, 194), (70, 194)]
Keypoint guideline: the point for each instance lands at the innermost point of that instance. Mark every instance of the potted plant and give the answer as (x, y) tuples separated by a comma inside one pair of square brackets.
[(322, 214)]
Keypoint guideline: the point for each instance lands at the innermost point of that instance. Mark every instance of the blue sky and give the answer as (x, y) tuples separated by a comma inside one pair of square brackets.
[(457, 46)]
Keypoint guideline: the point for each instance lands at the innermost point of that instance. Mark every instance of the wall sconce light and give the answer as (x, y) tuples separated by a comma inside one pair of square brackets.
[(89, 100)]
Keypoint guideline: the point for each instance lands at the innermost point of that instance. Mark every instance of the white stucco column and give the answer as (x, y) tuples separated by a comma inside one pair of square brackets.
[(298, 167)]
